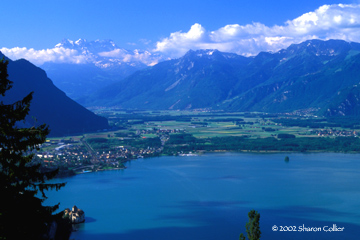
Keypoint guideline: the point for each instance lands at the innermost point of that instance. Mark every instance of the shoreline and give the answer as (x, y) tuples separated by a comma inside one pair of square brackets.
[(211, 152)]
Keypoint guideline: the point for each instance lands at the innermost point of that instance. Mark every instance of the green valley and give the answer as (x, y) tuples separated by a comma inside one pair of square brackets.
[(142, 134)]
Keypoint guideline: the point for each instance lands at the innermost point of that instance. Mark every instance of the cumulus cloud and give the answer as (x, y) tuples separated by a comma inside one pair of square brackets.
[(38, 57), (340, 21), (178, 43), (327, 21), (61, 54)]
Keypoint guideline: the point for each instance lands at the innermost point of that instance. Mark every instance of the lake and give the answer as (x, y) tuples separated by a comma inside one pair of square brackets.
[(313, 196)]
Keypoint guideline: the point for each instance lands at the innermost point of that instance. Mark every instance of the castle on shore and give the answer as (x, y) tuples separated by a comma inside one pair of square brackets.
[(76, 215)]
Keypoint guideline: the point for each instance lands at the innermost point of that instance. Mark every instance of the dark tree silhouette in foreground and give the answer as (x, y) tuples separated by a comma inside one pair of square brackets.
[(253, 226), (22, 183)]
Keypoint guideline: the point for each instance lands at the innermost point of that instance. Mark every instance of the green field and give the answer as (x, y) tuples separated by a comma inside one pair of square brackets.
[(252, 126), (134, 127)]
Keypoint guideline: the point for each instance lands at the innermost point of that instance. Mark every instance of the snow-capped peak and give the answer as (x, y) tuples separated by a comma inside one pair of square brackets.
[(80, 41), (105, 53), (210, 52), (65, 43)]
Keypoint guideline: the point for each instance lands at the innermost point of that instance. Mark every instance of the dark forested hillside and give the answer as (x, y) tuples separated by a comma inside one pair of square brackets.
[(49, 105)]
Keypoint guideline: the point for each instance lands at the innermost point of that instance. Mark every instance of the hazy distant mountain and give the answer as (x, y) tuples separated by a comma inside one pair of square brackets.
[(103, 63), (49, 104), (318, 75)]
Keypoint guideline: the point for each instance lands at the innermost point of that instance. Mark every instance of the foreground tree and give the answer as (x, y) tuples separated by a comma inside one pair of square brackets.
[(22, 183), (253, 226)]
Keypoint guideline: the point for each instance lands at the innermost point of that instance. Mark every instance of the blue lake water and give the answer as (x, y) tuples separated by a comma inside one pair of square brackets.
[(209, 197)]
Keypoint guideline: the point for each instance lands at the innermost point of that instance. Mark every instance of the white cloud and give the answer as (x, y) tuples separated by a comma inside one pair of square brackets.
[(61, 54), (117, 53), (339, 21), (178, 43), (145, 57), (327, 21), (38, 57)]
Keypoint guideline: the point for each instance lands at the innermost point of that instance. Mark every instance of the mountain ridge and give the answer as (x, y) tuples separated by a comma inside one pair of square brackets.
[(308, 75)]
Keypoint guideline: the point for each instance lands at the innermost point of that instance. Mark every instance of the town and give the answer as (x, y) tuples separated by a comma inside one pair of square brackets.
[(76, 155)]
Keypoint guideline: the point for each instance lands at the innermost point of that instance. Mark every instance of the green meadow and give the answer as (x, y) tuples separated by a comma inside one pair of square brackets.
[(239, 130)]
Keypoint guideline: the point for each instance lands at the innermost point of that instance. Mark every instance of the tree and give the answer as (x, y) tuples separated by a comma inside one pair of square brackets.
[(22, 182), (242, 237), (252, 227)]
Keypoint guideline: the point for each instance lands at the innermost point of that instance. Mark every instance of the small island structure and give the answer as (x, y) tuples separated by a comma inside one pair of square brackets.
[(76, 215)]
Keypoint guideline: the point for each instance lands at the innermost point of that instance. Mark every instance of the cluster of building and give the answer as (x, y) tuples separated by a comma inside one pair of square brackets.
[(78, 156), (334, 132), (122, 153), (65, 155), (159, 131)]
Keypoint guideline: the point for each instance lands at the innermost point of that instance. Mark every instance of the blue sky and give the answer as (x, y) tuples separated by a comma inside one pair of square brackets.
[(172, 27)]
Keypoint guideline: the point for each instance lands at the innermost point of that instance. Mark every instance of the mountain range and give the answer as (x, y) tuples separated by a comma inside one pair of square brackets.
[(49, 104), (318, 76), (103, 63), (321, 77)]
